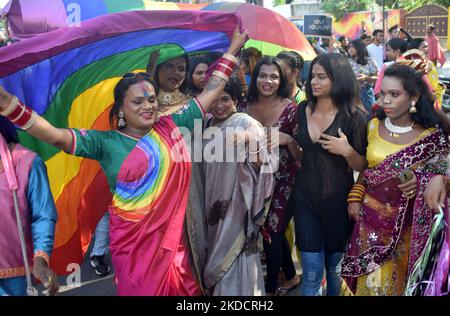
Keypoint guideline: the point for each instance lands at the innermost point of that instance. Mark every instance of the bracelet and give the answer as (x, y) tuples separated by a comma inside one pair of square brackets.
[(228, 63), (224, 69), (21, 115), (221, 75), (30, 122), (230, 57), (42, 255), (356, 193)]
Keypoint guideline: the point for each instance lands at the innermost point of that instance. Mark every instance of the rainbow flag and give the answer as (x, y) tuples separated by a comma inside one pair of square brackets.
[(68, 76), (29, 17)]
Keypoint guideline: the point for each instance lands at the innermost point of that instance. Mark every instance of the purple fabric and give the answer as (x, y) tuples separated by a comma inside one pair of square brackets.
[(30, 51), (39, 18), (386, 212)]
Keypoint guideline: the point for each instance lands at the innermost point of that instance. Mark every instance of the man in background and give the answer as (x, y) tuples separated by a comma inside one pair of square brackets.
[(375, 49)]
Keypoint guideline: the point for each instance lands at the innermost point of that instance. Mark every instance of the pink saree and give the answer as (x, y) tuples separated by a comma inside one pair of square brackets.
[(388, 218), (149, 249)]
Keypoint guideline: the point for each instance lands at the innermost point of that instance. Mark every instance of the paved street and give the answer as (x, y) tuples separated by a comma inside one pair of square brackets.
[(91, 284)]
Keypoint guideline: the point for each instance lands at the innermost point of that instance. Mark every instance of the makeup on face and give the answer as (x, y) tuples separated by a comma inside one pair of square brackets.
[(268, 80), (171, 74), (140, 106), (395, 99)]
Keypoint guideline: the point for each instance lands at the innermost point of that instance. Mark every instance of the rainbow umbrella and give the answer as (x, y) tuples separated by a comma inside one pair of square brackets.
[(269, 31), (27, 18), (68, 76)]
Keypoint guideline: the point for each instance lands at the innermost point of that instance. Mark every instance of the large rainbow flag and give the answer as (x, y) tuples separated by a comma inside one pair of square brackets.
[(68, 76), (30, 17)]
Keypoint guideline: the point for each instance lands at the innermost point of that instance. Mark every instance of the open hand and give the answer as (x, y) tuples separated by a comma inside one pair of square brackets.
[(237, 41), (336, 145), (152, 60)]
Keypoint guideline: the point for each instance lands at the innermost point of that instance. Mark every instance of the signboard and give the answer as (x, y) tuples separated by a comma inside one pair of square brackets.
[(317, 25)]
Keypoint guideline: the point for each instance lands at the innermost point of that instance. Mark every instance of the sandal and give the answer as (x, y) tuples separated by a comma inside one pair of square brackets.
[(282, 291)]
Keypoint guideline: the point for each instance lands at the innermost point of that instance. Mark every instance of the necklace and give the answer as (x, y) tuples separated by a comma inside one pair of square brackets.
[(170, 102), (394, 130)]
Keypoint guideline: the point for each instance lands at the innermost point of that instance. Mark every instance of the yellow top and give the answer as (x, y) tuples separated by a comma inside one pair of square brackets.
[(379, 148)]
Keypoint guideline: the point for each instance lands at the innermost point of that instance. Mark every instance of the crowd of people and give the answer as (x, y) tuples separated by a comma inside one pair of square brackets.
[(348, 165)]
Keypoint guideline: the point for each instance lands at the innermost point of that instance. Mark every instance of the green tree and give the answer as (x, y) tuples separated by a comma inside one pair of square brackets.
[(411, 4), (338, 8)]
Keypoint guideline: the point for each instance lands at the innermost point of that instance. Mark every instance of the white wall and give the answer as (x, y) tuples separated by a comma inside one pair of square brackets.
[(284, 10), (3, 3)]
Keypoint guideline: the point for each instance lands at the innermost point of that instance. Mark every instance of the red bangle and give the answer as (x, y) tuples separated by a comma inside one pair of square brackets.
[(225, 70), (15, 114), (22, 116), (227, 62)]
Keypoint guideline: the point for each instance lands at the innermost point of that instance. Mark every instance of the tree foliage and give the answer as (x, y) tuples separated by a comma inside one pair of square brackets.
[(338, 8)]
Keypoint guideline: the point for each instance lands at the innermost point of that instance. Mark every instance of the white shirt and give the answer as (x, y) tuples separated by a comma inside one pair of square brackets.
[(376, 53)]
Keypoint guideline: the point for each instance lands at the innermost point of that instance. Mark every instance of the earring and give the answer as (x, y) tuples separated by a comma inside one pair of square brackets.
[(413, 108), (121, 123)]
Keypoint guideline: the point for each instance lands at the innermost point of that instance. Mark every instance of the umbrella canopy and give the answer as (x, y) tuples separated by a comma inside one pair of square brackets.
[(269, 31), (29, 17)]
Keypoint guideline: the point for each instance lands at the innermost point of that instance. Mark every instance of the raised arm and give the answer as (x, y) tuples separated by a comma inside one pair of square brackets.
[(222, 71), (35, 125)]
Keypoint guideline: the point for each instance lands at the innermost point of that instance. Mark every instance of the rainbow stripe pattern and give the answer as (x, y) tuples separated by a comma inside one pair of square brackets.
[(134, 198), (350, 24), (68, 76)]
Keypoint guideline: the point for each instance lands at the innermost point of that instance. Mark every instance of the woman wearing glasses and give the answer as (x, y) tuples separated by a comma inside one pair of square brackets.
[(147, 166)]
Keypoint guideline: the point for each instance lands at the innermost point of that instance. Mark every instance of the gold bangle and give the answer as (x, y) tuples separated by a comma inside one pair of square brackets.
[(358, 191)]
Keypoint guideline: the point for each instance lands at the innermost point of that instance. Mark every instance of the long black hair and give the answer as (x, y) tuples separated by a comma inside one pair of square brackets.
[(121, 89), (426, 116), (295, 61), (8, 131), (284, 89), (345, 91), (184, 88), (193, 63), (362, 55), (234, 89)]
